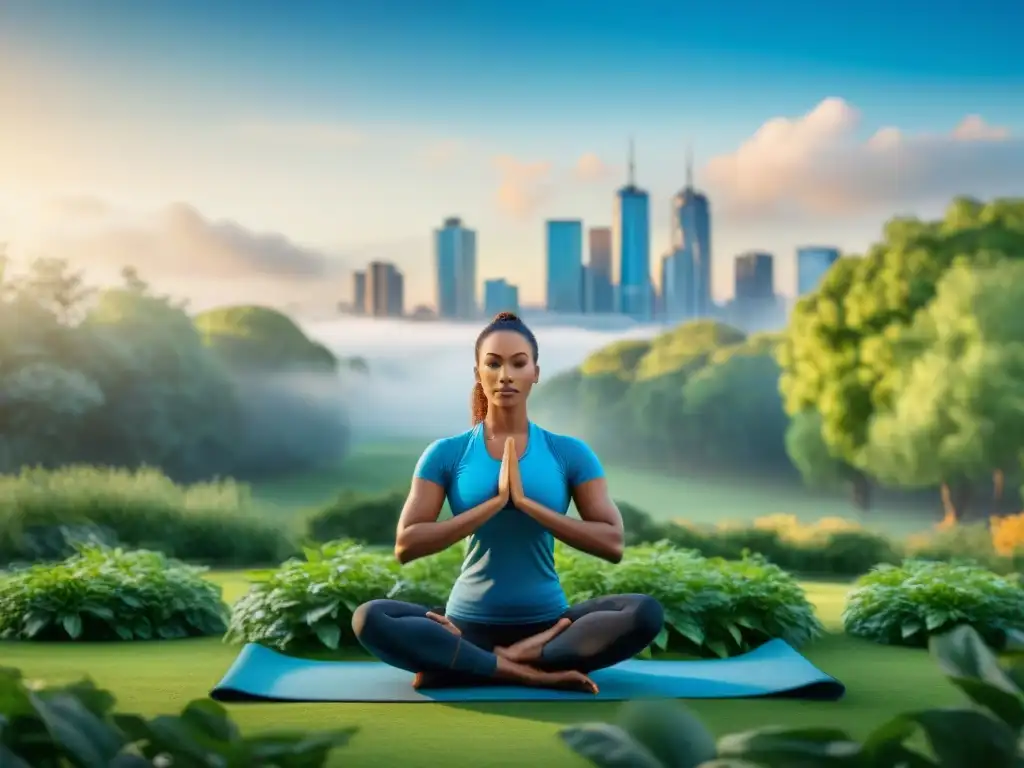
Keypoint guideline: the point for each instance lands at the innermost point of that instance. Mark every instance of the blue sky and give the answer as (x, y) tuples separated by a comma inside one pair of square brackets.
[(352, 128)]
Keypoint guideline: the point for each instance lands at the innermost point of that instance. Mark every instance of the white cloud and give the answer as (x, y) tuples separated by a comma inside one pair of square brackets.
[(523, 186), (819, 164), (178, 249), (590, 167)]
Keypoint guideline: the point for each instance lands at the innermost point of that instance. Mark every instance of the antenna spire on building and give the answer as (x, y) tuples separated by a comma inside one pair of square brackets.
[(632, 163), (689, 166)]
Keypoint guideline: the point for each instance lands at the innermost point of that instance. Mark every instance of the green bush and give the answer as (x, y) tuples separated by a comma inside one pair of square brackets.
[(829, 549), (308, 603), (370, 519), (76, 725), (967, 543), (906, 605), (651, 734), (44, 514), (712, 606), (104, 594)]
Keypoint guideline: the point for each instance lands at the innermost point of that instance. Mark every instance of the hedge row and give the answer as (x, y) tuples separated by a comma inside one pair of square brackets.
[(44, 514), (713, 607)]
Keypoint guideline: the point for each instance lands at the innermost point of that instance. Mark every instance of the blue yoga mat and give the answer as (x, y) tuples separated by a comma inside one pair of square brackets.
[(774, 669)]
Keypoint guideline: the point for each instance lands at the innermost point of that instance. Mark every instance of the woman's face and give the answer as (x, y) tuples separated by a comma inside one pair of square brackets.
[(506, 369)]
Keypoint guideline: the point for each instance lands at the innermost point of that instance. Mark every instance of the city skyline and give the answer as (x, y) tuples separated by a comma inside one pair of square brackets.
[(218, 147)]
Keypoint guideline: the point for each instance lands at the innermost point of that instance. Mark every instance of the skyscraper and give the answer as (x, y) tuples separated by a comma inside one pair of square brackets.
[(631, 243), (385, 289), (455, 262), (689, 296), (500, 296), (599, 294), (359, 292), (565, 266), (812, 262), (755, 276)]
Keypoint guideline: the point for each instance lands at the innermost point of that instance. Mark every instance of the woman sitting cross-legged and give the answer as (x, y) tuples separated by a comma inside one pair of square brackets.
[(509, 483)]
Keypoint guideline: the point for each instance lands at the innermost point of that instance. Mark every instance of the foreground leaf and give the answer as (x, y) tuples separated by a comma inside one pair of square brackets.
[(88, 740), (967, 738), (961, 653), (673, 734), (793, 747), (608, 746)]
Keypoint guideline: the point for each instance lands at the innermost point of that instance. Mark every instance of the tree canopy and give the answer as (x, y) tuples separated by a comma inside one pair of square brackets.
[(259, 338), (124, 377), (870, 358), (701, 393)]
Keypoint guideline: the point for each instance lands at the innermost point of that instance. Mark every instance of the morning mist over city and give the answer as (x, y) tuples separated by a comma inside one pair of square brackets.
[(632, 385)]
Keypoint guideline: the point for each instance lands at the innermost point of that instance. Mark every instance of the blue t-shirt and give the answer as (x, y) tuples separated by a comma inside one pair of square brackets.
[(508, 576)]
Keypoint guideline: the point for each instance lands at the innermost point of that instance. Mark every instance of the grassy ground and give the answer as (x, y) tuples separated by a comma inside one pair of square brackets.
[(158, 677), (696, 499)]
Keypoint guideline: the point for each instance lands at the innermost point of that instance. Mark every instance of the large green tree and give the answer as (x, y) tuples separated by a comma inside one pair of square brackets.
[(956, 412), (839, 351)]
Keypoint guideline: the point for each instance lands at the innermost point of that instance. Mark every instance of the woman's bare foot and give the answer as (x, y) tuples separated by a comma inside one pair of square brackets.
[(529, 649), (569, 681)]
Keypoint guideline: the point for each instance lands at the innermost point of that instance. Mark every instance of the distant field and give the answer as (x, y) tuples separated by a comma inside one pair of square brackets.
[(377, 467)]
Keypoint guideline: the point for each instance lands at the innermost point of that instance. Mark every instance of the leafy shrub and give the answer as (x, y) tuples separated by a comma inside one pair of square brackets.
[(370, 519), (44, 514), (830, 546), (76, 725), (905, 605), (712, 607), (665, 735), (104, 594), (309, 602)]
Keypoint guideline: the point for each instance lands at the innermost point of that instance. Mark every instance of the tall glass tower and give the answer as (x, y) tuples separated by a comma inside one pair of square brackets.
[(565, 266), (812, 262), (691, 246), (455, 264), (631, 243)]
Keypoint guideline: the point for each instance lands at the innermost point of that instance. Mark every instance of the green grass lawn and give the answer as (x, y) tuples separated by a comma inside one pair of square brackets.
[(158, 677), (377, 467)]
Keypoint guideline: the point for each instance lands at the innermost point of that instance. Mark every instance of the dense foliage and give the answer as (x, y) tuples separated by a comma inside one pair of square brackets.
[(365, 518), (260, 340), (702, 394), (909, 356), (666, 735), (77, 725), (104, 594), (905, 605), (123, 377), (43, 515), (713, 607)]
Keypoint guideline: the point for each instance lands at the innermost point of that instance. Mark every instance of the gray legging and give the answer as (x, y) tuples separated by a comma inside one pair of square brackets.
[(604, 631)]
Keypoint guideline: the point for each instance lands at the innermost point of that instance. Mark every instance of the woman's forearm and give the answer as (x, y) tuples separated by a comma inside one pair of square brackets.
[(599, 539), (422, 539)]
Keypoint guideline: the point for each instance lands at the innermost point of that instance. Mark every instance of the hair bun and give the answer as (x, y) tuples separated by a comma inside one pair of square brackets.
[(506, 317)]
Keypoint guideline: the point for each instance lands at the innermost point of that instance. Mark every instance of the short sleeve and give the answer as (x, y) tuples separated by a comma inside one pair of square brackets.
[(581, 463), (435, 463)]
